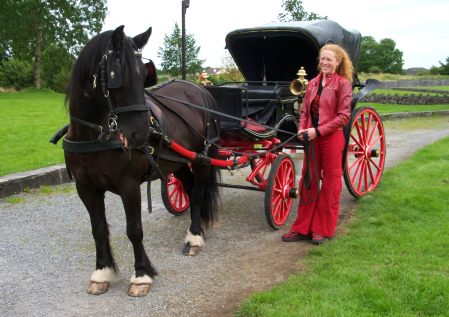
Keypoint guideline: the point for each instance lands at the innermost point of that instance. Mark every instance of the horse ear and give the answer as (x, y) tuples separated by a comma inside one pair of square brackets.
[(142, 39), (151, 78), (117, 37)]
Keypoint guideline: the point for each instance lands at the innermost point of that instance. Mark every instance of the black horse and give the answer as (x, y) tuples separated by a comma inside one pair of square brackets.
[(117, 139)]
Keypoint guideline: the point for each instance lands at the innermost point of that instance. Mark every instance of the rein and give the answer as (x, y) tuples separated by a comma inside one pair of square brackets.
[(310, 157), (221, 114)]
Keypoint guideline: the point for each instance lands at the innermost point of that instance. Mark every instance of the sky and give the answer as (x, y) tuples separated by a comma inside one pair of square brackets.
[(419, 28)]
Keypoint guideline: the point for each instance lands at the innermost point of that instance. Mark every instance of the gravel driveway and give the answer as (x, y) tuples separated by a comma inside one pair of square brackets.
[(47, 252)]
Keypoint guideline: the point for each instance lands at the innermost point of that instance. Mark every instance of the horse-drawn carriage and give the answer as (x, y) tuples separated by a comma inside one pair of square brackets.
[(259, 117), (121, 135)]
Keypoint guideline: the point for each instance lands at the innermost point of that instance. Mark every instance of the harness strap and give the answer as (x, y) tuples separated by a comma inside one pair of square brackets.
[(96, 127), (81, 147), (138, 107), (310, 156)]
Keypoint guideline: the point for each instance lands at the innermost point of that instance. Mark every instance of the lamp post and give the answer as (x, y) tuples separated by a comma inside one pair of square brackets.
[(185, 5)]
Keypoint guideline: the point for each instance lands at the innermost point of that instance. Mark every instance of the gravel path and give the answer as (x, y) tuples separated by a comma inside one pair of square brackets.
[(47, 253)]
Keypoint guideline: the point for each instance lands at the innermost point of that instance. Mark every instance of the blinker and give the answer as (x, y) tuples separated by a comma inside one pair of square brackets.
[(114, 71)]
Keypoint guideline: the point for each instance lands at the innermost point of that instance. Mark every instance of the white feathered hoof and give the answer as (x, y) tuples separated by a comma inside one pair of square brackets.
[(99, 281), (191, 250), (138, 290), (140, 286), (192, 244), (97, 288)]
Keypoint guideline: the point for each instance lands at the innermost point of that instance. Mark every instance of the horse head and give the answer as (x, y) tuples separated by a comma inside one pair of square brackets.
[(107, 85)]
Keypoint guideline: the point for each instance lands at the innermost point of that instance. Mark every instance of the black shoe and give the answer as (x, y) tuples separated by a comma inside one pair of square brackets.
[(293, 236), (317, 238)]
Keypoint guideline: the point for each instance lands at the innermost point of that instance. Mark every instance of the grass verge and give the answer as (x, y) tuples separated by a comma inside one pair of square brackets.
[(393, 261), (388, 108), (27, 121)]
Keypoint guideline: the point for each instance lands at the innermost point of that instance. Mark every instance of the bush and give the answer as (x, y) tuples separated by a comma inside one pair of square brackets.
[(375, 70), (16, 73)]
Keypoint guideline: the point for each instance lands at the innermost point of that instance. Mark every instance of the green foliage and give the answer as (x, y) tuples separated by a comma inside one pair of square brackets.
[(29, 27), (230, 72), (444, 68), (383, 56), (392, 262), (15, 73), (56, 66), (171, 53), (294, 11)]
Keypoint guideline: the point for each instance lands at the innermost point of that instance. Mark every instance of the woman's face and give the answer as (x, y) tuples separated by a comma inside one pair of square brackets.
[(328, 62)]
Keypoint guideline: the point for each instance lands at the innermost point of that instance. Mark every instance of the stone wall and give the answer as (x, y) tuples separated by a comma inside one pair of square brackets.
[(421, 97), (412, 99)]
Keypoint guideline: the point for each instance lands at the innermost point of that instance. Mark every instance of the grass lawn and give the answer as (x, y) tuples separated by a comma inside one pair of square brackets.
[(27, 121), (393, 259), (388, 108)]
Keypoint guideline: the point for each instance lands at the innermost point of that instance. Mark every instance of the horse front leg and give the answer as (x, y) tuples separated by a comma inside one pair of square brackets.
[(143, 269), (106, 268)]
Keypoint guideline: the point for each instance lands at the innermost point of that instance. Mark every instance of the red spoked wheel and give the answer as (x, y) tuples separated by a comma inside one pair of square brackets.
[(280, 191), (174, 197), (365, 151)]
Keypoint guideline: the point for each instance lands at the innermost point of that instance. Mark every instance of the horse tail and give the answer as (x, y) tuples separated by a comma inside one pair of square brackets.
[(210, 203)]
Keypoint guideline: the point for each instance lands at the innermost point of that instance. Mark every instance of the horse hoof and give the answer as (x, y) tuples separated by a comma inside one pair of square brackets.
[(97, 288), (191, 250), (139, 290)]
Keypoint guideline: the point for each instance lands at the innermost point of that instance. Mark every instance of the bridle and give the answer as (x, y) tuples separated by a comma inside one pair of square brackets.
[(109, 72)]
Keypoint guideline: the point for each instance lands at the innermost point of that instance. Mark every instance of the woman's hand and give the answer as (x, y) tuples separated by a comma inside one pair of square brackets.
[(311, 133)]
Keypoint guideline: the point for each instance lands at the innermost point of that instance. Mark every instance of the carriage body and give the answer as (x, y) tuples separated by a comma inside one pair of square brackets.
[(261, 115), (269, 58)]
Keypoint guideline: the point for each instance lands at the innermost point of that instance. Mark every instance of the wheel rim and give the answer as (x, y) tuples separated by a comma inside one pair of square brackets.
[(366, 151), (177, 197), (281, 202)]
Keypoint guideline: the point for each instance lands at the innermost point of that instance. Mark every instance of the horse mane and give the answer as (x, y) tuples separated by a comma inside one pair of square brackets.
[(80, 88)]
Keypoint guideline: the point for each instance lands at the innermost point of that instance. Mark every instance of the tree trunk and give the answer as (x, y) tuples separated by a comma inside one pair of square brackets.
[(37, 58)]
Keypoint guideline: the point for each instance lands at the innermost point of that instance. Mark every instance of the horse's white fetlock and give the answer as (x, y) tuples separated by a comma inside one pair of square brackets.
[(193, 240), (145, 279), (105, 275)]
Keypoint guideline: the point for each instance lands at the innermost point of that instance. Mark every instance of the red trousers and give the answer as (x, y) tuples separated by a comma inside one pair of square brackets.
[(319, 213)]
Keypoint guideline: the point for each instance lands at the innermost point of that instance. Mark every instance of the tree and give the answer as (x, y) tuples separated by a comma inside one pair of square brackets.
[(444, 68), (56, 65), (382, 56), (170, 53), (295, 12), (29, 26)]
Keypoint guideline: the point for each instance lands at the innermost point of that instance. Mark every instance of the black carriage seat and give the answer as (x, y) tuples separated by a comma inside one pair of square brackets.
[(254, 102)]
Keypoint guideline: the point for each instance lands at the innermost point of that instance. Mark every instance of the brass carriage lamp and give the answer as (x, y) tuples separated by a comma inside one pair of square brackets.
[(298, 86)]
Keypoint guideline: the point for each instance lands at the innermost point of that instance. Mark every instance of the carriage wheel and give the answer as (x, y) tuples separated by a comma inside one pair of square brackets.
[(365, 151), (174, 197), (280, 191)]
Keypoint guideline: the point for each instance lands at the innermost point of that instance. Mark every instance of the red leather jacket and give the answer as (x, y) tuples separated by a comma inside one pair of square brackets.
[(335, 104)]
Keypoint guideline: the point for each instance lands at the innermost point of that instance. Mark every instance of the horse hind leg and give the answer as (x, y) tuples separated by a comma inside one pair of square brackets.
[(106, 269), (142, 277), (203, 198)]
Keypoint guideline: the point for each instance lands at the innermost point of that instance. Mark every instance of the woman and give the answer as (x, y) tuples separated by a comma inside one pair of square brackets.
[(326, 110)]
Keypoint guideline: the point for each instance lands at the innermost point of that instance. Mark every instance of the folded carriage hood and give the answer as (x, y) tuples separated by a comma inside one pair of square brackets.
[(275, 51)]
